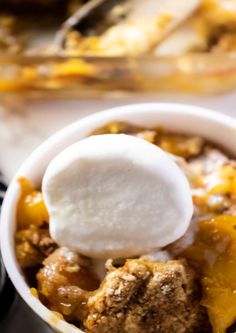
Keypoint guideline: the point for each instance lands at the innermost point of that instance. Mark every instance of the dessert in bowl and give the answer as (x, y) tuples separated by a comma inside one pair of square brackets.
[(184, 284)]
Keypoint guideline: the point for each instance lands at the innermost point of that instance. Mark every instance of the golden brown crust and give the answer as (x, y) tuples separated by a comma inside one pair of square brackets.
[(148, 297), (177, 144), (33, 245), (141, 296)]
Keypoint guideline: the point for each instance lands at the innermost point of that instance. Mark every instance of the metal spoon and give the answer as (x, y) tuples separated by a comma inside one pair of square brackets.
[(73, 20)]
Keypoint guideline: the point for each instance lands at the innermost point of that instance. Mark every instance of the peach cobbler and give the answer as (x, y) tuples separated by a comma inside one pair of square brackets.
[(187, 286)]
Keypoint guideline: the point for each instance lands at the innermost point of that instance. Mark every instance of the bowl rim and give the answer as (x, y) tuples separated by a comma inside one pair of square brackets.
[(11, 198)]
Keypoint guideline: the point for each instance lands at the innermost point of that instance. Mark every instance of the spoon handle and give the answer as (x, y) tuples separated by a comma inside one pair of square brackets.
[(73, 20)]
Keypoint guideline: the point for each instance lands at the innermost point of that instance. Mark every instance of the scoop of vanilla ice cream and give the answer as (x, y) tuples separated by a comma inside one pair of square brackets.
[(114, 195)]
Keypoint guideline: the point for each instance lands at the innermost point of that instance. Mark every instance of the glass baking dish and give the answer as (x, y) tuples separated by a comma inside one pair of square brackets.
[(37, 73), (89, 76)]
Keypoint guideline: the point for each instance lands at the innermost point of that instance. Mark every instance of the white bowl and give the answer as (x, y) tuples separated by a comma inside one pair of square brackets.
[(179, 118)]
